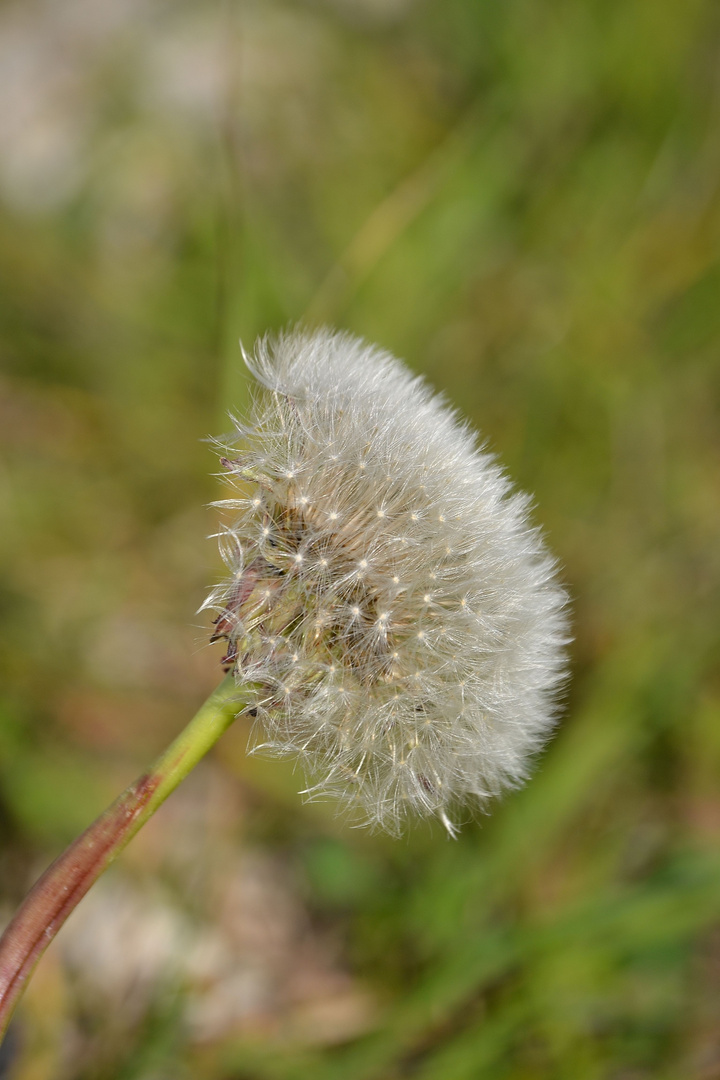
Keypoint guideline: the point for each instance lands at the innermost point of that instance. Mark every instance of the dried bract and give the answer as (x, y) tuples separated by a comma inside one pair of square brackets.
[(398, 615)]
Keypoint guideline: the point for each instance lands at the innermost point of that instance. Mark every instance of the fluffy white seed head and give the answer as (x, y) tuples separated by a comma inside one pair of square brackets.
[(396, 613)]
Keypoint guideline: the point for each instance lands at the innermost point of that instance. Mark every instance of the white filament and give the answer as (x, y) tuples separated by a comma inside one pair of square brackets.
[(413, 645)]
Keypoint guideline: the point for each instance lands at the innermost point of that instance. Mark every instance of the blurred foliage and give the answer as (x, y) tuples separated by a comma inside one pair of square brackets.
[(522, 200)]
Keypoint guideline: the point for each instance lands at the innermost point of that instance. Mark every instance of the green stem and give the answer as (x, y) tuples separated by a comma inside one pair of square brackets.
[(65, 882)]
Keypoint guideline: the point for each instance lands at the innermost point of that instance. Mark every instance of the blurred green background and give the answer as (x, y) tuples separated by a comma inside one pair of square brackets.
[(522, 200)]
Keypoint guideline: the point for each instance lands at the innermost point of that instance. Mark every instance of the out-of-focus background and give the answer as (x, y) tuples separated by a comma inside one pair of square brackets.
[(521, 199)]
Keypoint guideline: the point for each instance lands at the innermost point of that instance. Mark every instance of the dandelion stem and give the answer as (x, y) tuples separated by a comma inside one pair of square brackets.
[(55, 895)]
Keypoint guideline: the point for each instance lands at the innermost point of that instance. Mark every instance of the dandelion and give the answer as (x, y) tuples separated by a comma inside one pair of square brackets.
[(391, 614)]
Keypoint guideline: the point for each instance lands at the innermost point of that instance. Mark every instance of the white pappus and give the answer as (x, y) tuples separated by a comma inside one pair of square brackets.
[(397, 617)]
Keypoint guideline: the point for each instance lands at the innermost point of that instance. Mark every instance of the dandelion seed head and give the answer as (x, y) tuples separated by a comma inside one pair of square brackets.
[(400, 698)]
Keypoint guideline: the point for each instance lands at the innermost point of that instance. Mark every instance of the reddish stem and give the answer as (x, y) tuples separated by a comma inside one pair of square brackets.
[(64, 884), (60, 889)]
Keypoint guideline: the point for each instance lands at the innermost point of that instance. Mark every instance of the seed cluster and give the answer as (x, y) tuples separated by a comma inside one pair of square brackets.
[(397, 614)]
